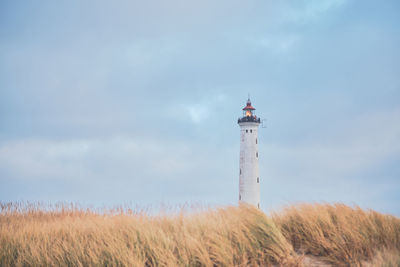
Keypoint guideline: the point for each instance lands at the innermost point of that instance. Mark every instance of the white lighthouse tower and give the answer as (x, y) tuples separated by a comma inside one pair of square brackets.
[(249, 179)]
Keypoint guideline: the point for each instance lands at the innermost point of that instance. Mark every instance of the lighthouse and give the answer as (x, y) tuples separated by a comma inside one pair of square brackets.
[(249, 179)]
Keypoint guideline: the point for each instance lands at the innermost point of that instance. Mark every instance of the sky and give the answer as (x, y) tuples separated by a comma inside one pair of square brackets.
[(112, 102)]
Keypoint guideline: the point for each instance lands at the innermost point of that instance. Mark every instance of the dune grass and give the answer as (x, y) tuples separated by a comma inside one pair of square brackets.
[(338, 234), (31, 235)]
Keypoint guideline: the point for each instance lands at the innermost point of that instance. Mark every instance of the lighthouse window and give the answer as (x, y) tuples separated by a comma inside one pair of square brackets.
[(258, 205), (256, 140), (240, 197), (257, 154), (258, 179), (240, 171), (247, 131), (251, 131)]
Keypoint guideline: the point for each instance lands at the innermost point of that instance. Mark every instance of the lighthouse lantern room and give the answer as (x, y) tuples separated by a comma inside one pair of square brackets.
[(249, 179)]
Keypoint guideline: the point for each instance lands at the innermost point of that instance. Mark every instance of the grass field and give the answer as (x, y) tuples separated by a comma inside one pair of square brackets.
[(309, 234)]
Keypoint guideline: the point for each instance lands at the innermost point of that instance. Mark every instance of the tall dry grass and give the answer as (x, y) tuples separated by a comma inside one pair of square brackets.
[(35, 235), (66, 237), (384, 258), (338, 234)]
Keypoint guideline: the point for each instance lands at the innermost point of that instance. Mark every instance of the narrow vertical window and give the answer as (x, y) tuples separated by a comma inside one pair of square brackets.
[(256, 154), (256, 141), (258, 180), (251, 131), (240, 197), (258, 205), (247, 131), (240, 171)]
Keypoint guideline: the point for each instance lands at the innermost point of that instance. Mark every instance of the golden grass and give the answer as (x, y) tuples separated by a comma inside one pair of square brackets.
[(385, 258), (338, 234), (33, 235), (224, 237)]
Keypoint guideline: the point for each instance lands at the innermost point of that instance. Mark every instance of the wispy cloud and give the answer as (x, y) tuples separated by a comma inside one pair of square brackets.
[(198, 111), (309, 11)]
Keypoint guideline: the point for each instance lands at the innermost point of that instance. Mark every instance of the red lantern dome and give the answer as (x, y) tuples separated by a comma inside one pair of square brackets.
[(248, 105)]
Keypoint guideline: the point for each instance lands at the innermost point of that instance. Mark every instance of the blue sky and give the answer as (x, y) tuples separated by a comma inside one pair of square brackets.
[(137, 101)]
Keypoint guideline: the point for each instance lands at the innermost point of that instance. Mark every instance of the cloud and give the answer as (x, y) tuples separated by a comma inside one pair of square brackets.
[(273, 43), (43, 159), (198, 111), (309, 11), (116, 169), (364, 142), (348, 166), (92, 159)]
